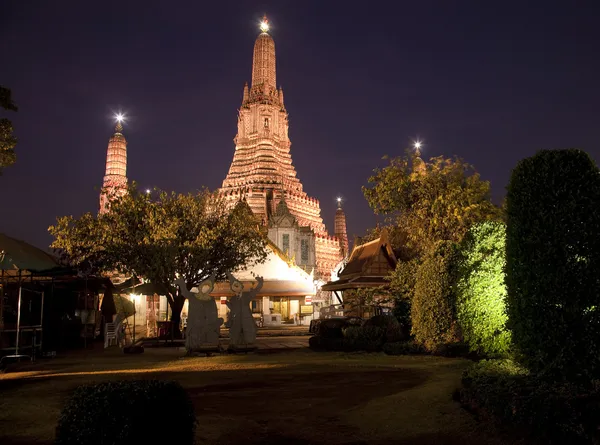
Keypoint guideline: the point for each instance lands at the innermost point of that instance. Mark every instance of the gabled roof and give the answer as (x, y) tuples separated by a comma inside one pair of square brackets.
[(368, 266)]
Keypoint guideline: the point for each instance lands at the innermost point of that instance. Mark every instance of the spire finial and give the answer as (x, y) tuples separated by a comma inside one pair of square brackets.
[(264, 24), (339, 202), (417, 145), (119, 118)]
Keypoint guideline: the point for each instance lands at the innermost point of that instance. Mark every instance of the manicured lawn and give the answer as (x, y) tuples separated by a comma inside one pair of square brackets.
[(287, 398)]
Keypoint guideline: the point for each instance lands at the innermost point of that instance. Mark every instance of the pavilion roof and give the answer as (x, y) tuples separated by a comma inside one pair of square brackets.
[(369, 265)]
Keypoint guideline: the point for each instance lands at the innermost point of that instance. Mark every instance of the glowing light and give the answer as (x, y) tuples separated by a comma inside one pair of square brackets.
[(119, 117), (339, 199), (418, 145), (264, 25), (148, 191)]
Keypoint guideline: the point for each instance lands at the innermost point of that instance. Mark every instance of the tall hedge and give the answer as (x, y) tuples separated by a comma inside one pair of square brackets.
[(432, 310), (553, 263), (481, 288)]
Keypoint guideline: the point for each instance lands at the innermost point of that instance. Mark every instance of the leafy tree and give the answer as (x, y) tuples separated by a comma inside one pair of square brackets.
[(430, 201), (193, 236), (481, 289), (7, 140), (432, 312), (553, 263)]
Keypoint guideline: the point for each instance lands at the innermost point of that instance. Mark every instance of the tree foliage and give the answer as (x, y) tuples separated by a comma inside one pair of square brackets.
[(7, 139), (553, 262), (432, 312), (191, 235), (481, 288), (430, 201)]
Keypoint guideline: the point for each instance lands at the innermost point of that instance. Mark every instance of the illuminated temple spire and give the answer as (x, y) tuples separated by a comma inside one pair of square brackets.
[(263, 63), (340, 228), (115, 178), (261, 172)]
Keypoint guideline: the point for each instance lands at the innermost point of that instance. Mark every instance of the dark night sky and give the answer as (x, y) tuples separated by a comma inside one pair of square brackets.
[(492, 82)]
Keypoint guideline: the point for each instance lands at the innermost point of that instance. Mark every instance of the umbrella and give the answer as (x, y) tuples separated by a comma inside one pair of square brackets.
[(124, 306), (108, 307), (19, 255)]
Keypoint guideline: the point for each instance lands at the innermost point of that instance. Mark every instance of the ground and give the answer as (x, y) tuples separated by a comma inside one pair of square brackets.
[(287, 396)]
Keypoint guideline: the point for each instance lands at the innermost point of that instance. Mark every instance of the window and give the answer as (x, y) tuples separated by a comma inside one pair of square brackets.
[(266, 122), (304, 251), (285, 243)]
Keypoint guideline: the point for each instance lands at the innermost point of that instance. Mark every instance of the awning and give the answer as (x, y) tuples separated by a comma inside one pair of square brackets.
[(275, 288)]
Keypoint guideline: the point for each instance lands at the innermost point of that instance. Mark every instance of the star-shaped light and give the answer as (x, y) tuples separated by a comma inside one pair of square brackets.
[(119, 117), (418, 144), (264, 24)]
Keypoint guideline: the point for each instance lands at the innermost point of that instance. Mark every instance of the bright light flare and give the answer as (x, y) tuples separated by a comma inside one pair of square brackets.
[(418, 145), (119, 117), (264, 25), (339, 199), (148, 191)]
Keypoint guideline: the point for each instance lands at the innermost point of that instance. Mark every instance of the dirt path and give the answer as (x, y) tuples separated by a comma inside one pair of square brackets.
[(297, 397)]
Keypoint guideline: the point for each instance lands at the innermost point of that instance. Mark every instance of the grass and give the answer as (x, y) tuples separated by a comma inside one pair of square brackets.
[(297, 397)]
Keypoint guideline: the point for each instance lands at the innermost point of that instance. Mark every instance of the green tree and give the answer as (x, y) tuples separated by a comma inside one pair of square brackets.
[(7, 140), (191, 235), (553, 263), (430, 201), (481, 288), (432, 311)]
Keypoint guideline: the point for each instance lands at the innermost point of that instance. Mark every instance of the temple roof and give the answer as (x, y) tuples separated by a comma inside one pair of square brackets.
[(369, 266)]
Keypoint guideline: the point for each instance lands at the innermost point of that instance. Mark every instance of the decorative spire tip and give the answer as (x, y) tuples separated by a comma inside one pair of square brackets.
[(264, 24), (120, 119)]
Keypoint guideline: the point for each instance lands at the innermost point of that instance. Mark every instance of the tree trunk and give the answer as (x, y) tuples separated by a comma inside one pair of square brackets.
[(176, 306)]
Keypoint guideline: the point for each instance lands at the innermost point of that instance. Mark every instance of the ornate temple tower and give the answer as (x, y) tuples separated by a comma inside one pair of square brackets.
[(115, 178), (262, 172), (340, 228)]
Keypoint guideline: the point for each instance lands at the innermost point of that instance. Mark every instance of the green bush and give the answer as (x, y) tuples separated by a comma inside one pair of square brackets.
[(557, 412), (403, 348), (120, 413), (432, 311), (481, 290), (553, 263)]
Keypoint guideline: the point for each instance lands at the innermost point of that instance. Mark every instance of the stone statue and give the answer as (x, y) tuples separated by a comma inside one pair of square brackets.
[(242, 327), (203, 323)]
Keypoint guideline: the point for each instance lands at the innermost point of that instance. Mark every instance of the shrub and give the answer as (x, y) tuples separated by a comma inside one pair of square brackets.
[(363, 338), (392, 330), (118, 413), (481, 290), (331, 328), (455, 349), (402, 286), (432, 313), (552, 263), (403, 348), (557, 412)]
